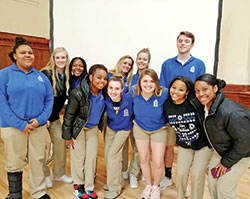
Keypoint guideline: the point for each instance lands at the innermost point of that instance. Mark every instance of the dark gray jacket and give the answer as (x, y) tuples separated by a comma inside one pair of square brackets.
[(77, 111), (228, 129)]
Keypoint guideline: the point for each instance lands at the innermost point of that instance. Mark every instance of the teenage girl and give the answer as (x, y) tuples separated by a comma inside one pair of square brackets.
[(78, 70), (150, 130), (142, 62), (80, 129), (57, 71), (227, 127), (119, 125), (185, 115), (26, 101), (124, 68)]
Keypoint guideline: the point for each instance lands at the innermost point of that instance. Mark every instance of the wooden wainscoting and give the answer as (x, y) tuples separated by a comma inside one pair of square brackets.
[(238, 93), (40, 47)]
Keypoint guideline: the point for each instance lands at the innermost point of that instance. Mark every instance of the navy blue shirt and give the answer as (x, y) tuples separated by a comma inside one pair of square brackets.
[(135, 79), (97, 107), (123, 119), (149, 113)]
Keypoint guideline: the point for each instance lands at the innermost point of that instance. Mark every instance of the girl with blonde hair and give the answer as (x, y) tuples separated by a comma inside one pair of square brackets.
[(123, 68), (57, 71), (148, 101)]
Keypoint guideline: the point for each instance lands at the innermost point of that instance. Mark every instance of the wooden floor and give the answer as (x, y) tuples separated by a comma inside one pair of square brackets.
[(64, 191)]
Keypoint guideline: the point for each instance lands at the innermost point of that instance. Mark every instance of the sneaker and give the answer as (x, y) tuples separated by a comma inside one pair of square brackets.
[(155, 193), (92, 195), (45, 196), (142, 178), (48, 182), (165, 182), (187, 194), (125, 175), (79, 192), (133, 181), (111, 195), (105, 187), (146, 192), (64, 178)]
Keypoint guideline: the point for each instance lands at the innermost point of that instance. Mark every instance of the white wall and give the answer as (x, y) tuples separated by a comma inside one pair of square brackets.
[(102, 31), (234, 58), (28, 17)]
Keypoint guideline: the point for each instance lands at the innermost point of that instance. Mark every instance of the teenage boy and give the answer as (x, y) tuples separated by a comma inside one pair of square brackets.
[(182, 64)]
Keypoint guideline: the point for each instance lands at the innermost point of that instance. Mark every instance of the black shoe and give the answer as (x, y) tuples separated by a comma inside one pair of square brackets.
[(45, 196)]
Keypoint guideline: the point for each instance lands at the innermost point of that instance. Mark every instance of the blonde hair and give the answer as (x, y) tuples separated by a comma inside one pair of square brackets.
[(153, 75), (51, 66), (116, 71), (147, 51)]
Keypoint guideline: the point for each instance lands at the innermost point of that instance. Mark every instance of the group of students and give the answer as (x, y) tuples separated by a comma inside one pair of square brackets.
[(184, 107)]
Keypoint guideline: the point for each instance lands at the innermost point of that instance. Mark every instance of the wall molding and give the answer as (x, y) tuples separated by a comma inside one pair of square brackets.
[(238, 93), (39, 45)]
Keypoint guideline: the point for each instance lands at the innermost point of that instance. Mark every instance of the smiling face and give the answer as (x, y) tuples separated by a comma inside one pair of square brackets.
[(147, 85), (77, 68), (98, 80), (126, 66), (60, 60), (142, 61), (178, 91), (24, 57), (115, 90), (205, 92), (184, 44)]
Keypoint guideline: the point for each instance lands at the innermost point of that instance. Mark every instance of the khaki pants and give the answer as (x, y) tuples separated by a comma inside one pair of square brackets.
[(114, 143), (59, 150), (134, 166), (125, 155), (197, 161), (83, 158), (22, 148), (225, 187)]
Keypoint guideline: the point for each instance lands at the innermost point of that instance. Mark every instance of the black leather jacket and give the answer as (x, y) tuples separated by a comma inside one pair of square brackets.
[(228, 129), (60, 98), (77, 111)]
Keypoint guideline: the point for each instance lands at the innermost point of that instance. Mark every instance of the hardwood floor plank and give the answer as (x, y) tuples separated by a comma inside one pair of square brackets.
[(64, 191)]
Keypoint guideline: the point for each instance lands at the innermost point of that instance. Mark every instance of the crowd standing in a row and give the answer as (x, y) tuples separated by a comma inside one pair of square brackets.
[(185, 107)]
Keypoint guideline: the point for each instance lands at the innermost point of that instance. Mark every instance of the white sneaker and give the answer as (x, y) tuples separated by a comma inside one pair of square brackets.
[(142, 178), (187, 194), (133, 181), (165, 182), (64, 178), (125, 175), (48, 182)]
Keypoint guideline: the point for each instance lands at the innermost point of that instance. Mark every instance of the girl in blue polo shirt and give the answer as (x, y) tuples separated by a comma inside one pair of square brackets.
[(26, 101), (149, 129), (78, 70), (82, 117), (119, 112), (124, 68)]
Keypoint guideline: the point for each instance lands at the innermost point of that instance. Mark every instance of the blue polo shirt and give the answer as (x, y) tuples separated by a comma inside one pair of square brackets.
[(123, 119), (97, 107), (135, 79), (171, 68), (149, 113), (76, 83), (124, 81), (24, 96)]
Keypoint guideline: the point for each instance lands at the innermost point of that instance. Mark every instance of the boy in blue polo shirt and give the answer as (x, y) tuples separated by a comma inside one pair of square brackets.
[(186, 65)]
